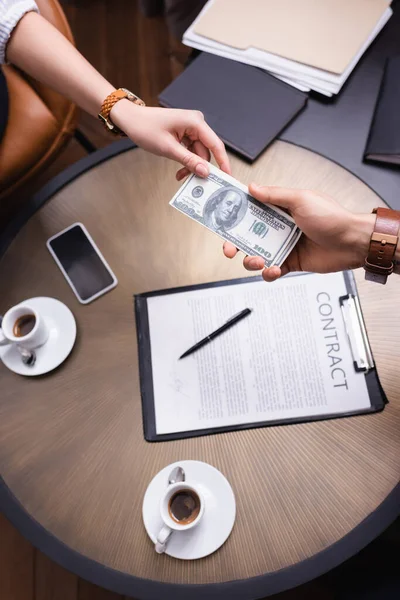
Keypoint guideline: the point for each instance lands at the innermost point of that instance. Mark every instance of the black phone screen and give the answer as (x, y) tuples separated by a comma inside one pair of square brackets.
[(81, 262)]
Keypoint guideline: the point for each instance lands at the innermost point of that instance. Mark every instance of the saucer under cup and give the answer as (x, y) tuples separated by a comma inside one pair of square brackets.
[(62, 334), (219, 511)]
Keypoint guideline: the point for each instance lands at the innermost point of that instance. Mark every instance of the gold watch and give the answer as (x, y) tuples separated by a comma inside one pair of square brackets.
[(113, 98)]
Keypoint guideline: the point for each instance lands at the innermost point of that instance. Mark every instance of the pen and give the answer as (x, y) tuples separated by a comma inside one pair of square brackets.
[(232, 321)]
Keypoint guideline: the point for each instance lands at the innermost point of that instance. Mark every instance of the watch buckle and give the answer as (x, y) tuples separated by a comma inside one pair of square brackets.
[(106, 122), (384, 238)]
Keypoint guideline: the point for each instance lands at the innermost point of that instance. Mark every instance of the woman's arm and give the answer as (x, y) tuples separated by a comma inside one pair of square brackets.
[(43, 52)]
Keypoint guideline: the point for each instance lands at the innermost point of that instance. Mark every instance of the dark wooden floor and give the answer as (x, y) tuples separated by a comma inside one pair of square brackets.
[(128, 49), (139, 54)]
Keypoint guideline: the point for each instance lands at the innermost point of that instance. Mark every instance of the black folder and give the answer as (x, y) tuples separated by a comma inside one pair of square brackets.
[(247, 107), (383, 143), (362, 361)]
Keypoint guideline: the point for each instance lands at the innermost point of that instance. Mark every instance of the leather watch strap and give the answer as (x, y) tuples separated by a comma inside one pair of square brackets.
[(110, 101), (379, 263)]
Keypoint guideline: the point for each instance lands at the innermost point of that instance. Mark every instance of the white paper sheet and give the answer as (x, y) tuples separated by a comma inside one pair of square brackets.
[(301, 76), (289, 359)]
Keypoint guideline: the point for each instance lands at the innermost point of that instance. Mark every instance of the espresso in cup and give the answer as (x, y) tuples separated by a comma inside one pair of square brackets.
[(24, 325), (184, 506)]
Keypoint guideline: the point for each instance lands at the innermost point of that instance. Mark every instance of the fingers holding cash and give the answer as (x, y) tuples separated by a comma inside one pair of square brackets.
[(230, 250), (283, 197), (280, 230), (255, 263), (201, 141), (225, 206), (196, 147)]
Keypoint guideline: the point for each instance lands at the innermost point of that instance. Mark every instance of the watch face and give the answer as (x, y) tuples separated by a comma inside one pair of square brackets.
[(133, 98)]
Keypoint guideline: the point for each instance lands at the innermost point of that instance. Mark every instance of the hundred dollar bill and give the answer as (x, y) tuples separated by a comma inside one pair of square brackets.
[(224, 205)]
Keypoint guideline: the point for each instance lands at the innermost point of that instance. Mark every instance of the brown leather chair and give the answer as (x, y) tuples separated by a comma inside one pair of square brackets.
[(40, 121)]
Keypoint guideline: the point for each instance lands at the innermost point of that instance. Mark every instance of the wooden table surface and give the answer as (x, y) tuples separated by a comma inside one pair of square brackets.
[(73, 459)]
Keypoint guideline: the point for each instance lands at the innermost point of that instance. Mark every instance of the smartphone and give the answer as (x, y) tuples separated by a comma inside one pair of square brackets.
[(81, 262)]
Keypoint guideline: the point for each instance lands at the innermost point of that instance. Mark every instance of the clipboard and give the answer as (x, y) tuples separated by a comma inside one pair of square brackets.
[(357, 340)]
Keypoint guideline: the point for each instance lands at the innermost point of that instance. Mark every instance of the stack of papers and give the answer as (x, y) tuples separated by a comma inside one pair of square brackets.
[(310, 44)]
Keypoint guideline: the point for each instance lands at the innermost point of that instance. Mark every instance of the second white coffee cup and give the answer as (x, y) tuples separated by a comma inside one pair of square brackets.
[(12, 327), (171, 524)]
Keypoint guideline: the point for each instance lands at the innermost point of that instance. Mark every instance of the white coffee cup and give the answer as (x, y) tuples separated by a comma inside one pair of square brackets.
[(36, 337), (172, 524)]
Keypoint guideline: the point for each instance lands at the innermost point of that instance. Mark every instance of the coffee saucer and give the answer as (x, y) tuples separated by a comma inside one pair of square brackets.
[(219, 512), (62, 334)]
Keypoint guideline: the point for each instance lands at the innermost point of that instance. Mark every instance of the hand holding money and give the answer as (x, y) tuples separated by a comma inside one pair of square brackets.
[(224, 205), (334, 239)]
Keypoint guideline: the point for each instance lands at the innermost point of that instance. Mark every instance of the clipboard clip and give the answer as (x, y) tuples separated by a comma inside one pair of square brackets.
[(356, 333)]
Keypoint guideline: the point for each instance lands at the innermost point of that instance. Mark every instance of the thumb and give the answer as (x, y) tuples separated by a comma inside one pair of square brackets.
[(284, 197), (188, 159)]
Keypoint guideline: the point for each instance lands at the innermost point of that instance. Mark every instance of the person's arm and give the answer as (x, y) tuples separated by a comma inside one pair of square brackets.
[(40, 50), (334, 239)]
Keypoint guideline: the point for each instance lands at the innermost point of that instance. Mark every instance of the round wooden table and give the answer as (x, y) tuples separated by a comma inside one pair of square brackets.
[(73, 459)]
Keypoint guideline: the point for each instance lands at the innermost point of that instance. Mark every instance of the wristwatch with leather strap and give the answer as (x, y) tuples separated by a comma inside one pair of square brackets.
[(380, 263), (110, 101)]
